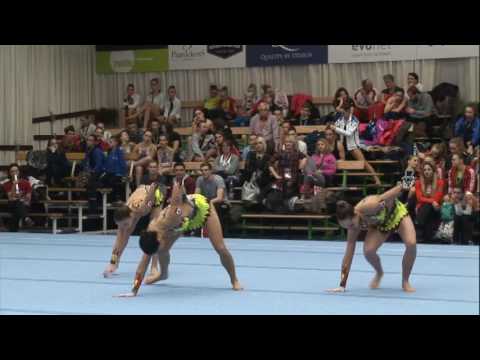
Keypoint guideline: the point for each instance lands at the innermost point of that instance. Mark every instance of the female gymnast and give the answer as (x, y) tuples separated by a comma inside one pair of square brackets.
[(380, 216)]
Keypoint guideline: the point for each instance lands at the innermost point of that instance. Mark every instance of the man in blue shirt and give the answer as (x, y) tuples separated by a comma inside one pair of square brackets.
[(468, 127)]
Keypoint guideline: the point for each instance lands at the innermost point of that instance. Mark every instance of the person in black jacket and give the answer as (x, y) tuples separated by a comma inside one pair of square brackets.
[(57, 164)]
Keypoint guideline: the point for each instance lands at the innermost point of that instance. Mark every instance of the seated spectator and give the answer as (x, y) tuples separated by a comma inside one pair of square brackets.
[(87, 128), (267, 98), (152, 175), (165, 156), (420, 109), (338, 150), (413, 80), (199, 116), (306, 118), (252, 141), (457, 146), (301, 145), (125, 143), (156, 131), (264, 124), (396, 106), (134, 133), (57, 164), (203, 144), (341, 99), (280, 99), (284, 129), (438, 155), (173, 107), (227, 104), (466, 204), (174, 141), (314, 111), (220, 139), (93, 165), (181, 177), (286, 167), (227, 165), (212, 103), (461, 176), (429, 194), (19, 193), (213, 188), (154, 104), (366, 99), (131, 107), (106, 134), (347, 127), (250, 99), (71, 141), (257, 167), (468, 128), (447, 216), (145, 152), (322, 169), (115, 170), (390, 88), (102, 143), (279, 115), (242, 118)]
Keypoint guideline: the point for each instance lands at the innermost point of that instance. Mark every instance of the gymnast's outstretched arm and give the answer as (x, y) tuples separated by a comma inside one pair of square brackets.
[(140, 274), (352, 236)]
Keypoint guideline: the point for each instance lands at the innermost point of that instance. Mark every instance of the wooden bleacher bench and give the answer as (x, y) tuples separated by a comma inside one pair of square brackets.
[(54, 217), (309, 217)]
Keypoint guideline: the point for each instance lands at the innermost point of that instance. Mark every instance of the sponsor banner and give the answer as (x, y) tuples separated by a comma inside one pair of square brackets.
[(133, 60), (272, 55), (191, 57), (374, 53)]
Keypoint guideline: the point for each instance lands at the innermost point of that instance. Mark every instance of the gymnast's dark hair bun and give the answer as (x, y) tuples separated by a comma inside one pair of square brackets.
[(344, 210), (149, 243)]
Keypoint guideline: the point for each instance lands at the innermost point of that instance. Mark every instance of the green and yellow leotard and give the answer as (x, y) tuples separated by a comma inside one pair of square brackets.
[(200, 213), (389, 220)]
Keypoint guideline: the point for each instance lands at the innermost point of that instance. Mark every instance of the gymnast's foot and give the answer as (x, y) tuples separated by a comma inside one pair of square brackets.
[(110, 271), (236, 286), (155, 276), (407, 287), (375, 284)]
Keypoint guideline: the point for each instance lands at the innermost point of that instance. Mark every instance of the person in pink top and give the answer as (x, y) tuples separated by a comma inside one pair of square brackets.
[(321, 169)]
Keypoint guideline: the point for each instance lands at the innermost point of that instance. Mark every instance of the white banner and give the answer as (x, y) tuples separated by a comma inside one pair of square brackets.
[(374, 53), (191, 57)]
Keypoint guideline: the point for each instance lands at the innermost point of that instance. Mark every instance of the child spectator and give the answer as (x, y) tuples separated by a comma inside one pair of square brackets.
[(447, 215)]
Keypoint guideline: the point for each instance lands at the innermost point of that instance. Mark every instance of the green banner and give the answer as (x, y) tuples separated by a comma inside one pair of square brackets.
[(131, 61)]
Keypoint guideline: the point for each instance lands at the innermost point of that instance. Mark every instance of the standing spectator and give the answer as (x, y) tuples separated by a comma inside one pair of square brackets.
[(286, 167), (154, 103), (420, 109), (468, 128), (203, 144), (213, 188), (93, 165), (252, 141), (115, 169), (342, 99), (145, 152), (134, 133), (338, 150), (19, 192), (227, 165), (173, 107), (57, 164), (227, 104), (365, 100), (465, 205), (461, 176), (323, 168), (87, 128), (347, 127), (165, 156), (264, 124), (131, 106), (413, 80), (429, 194)]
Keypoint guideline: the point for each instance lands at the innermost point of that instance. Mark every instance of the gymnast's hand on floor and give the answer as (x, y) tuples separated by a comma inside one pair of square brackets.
[(336, 290), (128, 295), (110, 271)]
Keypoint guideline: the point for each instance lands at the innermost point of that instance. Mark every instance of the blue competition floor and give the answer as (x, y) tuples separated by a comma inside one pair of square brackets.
[(45, 274)]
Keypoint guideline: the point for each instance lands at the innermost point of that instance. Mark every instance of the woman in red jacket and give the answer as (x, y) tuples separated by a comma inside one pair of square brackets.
[(429, 194)]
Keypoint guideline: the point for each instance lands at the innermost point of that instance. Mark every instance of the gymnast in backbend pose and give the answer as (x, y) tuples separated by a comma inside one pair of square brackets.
[(185, 213), (379, 215), (145, 200)]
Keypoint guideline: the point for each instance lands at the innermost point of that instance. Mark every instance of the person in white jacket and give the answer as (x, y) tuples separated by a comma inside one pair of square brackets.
[(347, 127)]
